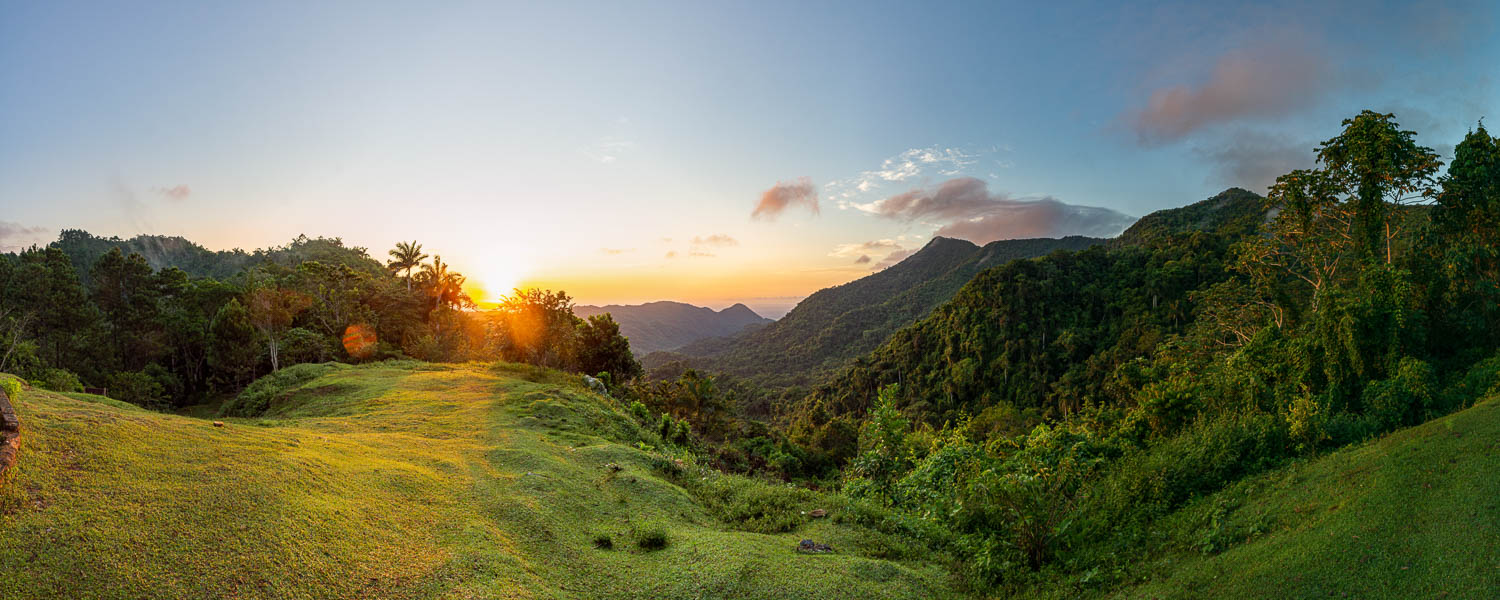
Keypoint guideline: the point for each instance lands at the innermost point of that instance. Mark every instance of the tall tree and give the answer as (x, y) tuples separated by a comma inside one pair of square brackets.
[(272, 309), (1383, 168), (405, 257)]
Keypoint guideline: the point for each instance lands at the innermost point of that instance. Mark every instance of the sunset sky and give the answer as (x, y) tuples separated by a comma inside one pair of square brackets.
[(706, 152)]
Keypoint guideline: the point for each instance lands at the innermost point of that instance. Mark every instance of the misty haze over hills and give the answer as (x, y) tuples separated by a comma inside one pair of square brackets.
[(666, 325)]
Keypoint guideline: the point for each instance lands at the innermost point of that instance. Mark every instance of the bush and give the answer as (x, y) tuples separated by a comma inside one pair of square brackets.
[(12, 386), (299, 345), (59, 380), (650, 536), (138, 388), (754, 505), (1405, 398), (257, 398)]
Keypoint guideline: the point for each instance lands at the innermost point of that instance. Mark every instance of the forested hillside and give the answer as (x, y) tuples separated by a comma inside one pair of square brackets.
[(839, 323), (1056, 412), (657, 326), (1045, 337)]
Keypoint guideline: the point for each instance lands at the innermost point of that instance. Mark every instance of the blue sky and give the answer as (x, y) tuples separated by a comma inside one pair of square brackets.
[(587, 145)]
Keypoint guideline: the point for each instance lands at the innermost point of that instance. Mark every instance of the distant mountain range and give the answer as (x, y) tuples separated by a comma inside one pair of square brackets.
[(656, 326), (839, 323)]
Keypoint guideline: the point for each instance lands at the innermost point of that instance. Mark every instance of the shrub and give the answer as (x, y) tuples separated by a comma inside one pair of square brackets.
[(650, 536), (12, 386), (754, 505), (59, 380), (256, 399), (1405, 398), (138, 388)]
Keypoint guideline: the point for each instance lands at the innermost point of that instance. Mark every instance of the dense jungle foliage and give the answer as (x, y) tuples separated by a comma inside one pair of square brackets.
[(1039, 423), (837, 324), (188, 324)]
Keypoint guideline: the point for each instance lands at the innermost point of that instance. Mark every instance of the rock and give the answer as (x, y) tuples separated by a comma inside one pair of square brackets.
[(218, 423), (811, 547), (595, 385), (818, 513)]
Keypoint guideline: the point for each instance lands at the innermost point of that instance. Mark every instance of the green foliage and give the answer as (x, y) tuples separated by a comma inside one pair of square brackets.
[(753, 505), (261, 395), (12, 386), (834, 326), (59, 380), (138, 388), (649, 536)]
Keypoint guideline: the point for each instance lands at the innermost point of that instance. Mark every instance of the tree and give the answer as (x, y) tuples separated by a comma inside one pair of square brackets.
[(1381, 167), (125, 290), (601, 349), (1466, 240), (272, 309), (232, 343), (405, 257)]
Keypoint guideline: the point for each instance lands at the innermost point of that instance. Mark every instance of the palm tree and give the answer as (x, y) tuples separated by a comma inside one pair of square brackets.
[(446, 288), (405, 257)]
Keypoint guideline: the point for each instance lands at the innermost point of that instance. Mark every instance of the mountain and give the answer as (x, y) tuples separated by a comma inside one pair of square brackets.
[(839, 323), (1044, 335), (657, 326), (409, 480), (1234, 211)]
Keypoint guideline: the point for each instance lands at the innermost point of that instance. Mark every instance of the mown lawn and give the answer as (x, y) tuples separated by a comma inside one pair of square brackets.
[(391, 482)]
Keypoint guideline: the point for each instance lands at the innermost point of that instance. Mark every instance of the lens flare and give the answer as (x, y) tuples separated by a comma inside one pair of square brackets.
[(360, 341)]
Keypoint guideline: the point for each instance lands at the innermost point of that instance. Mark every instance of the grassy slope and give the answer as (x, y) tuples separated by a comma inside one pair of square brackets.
[(391, 482), (1415, 514)]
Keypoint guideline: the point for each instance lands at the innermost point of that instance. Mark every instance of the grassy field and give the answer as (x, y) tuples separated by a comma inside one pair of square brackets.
[(396, 481), (1415, 514)]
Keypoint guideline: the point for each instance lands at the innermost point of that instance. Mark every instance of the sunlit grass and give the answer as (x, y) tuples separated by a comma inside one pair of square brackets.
[(389, 482)]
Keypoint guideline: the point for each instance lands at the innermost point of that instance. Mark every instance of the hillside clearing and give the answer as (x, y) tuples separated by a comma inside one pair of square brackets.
[(395, 482)]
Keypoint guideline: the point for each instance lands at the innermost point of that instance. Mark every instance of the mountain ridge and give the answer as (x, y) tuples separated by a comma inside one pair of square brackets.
[(668, 324)]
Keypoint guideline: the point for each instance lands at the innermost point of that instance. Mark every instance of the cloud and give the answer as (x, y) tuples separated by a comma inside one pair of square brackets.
[(717, 240), (177, 192), (870, 247), (671, 254), (965, 208), (1274, 78), (863, 259), (786, 194), (616, 251), (1253, 160), (15, 236), (916, 163), (609, 149), (700, 254), (892, 259)]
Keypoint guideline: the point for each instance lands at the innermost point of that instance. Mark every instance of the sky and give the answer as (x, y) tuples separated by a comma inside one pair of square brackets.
[(706, 152)]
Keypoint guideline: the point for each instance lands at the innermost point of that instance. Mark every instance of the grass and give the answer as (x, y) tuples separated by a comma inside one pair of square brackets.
[(1411, 515), (397, 481)]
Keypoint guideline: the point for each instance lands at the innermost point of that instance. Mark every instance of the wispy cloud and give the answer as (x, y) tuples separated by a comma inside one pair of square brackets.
[(1254, 159), (784, 195), (965, 208), (913, 164), (609, 149), (616, 251), (15, 236), (716, 240), (870, 247), (177, 192), (1279, 75), (862, 260), (892, 258)]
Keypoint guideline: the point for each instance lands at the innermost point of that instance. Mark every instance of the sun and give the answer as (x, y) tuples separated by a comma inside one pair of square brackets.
[(495, 277)]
